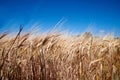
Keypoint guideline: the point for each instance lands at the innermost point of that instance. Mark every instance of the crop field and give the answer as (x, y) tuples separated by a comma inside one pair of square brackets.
[(59, 56)]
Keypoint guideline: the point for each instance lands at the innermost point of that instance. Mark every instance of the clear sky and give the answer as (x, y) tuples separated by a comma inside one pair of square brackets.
[(79, 15)]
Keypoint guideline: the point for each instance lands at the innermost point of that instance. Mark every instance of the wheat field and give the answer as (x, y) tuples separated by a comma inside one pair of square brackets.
[(57, 56)]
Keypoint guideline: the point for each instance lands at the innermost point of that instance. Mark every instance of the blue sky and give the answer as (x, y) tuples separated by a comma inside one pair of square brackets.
[(79, 15)]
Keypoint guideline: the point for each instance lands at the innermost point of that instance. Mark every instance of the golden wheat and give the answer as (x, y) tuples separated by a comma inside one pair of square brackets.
[(56, 56)]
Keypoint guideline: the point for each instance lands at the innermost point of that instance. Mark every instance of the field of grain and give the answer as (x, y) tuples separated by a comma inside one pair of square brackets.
[(57, 56)]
